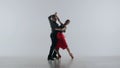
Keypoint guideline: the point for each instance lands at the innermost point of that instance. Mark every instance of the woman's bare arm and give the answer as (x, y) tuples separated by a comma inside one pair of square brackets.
[(58, 18), (60, 29)]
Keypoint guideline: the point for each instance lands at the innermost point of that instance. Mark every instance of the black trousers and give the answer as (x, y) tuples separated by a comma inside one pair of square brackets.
[(52, 52)]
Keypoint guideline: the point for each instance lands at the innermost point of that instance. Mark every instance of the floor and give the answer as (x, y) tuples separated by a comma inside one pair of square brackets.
[(83, 62)]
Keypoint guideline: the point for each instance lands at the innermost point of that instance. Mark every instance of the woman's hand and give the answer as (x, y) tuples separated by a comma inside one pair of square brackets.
[(61, 29)]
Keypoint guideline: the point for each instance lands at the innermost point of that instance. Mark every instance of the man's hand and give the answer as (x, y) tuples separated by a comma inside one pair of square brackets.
[(55, 13)]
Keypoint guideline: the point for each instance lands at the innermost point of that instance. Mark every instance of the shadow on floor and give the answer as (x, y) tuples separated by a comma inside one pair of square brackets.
[(57, 64)]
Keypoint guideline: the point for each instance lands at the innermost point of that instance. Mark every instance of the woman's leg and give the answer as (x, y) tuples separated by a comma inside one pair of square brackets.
[(58, 53), (59, 56), (69, 53)]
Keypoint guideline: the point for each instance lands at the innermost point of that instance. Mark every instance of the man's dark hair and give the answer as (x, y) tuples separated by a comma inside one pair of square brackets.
[(53, 16)]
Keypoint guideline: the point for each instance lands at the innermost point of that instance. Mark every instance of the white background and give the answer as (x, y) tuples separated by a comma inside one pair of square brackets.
[(94, 29)]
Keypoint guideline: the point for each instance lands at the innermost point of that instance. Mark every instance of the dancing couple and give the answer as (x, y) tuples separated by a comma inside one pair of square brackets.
[(57, 37)]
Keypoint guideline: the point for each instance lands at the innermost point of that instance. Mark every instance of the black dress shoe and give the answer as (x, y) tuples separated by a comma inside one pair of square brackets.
[(50, 59)]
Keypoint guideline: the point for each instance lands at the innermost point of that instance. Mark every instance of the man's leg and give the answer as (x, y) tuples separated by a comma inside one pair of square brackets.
[(54, 54), (50, 53), (54, 41)]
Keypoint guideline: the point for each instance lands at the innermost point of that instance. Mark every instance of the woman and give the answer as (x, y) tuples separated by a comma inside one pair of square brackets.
[(61, 42)]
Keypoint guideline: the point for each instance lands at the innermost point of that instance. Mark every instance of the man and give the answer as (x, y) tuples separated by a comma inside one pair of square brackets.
[(54, 29)]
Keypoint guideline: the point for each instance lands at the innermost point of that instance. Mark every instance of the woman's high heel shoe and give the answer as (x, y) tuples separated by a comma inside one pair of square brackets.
[(59, 56), (71, 55)]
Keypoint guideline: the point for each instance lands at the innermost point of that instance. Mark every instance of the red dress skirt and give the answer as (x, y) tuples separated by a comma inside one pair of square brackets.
[(61, 43)]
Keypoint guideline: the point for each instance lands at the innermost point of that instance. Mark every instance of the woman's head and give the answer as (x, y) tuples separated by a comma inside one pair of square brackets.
[(67, 22)]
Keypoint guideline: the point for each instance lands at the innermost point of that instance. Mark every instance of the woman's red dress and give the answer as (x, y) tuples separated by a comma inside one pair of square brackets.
[(61, 43)]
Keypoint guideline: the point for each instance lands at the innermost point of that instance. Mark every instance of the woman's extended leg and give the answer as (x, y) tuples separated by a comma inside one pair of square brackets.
[(69, 53)]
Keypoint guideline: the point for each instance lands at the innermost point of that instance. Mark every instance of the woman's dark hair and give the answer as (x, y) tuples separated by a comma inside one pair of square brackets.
[(67, 22)]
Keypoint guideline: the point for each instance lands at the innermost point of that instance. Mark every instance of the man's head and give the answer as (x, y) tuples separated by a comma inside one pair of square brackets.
[(54, 18), (67, 22)]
